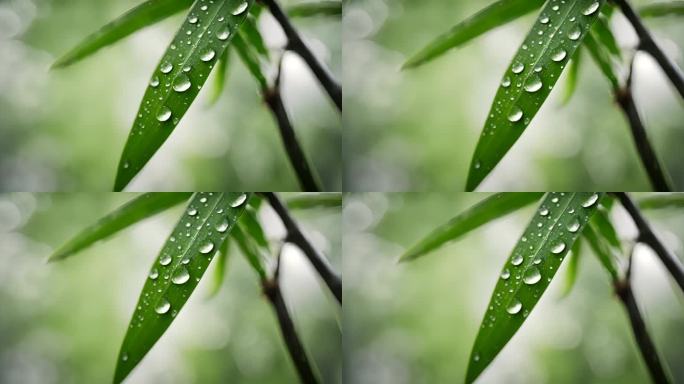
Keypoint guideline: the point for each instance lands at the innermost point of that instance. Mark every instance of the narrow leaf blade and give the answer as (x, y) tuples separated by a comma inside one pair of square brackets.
[(529, 79), (669, 8), (317, 8), (250, 59), (220, 77), (662, 200), (494, 15), (489, 209), (143, 15), (602, 59), (175, 83), (601, 250), (528, 272), (573, 266), (572, 77), (315, 200), (184, 258), (220, 268), (136, 210)]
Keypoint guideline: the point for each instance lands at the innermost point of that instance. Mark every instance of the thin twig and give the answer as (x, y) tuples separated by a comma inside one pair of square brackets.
[(648, 237), (294, 345), (623, 289), (274, 100), (648, 44), (656, 173), (296, 44), (296, 237)]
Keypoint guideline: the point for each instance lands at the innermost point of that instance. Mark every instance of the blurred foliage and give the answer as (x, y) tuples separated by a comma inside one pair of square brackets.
[(416, 322), (64, 322), (417, 130), (65, 130)]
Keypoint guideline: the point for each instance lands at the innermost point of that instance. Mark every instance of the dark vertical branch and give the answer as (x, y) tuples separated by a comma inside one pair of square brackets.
[(648, 44), (274, 100), (296, 237), (656, 173), (271, 289), (296, 44), (648, 237)]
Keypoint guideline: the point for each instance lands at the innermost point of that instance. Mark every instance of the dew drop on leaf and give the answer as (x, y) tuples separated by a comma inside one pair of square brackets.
[(505, 274), (154, 82), (517, 259), (223, 33), (192, 19), (166, 67), (192, 212), (163, 114), (517, 67), (590, 201), (532, 276), (206, 247), (222, 226), (544, 212), (533, 84), (559, 55), (239, 200), (242, 7), (514, 306), (163, 306), (574, 225), (182, 83), (558, 248), (181, 276), (506, 82), (208, 55), (591, 8), (154, 274), (574, 33), (165, 260), (515, 114)]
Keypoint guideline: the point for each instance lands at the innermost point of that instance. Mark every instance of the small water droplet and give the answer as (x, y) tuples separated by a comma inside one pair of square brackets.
[(558, 248), (506, 82), (207, 55), (206, 247), (192, 212), (591, 8), (590, 201), (163, 306), (239, 200), (165, 260), (505, 274), (204, 7), (166, 67), (533, 84), (532, 276), (242, 7), (192, 19), (517, 259), (476, 357), (559, 55), (515, 114), (514, 306), (154, 82), (154, 274), (182, 83), (181, 276), (124, 357), (163, 114), (544, 212), (574, 225), (554, 200), (544, 20), (517, 67)]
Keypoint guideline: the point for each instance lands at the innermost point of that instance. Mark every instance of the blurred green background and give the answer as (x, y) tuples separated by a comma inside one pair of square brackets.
[(64, 130), (416, 130), (416, 322), (64, 322)]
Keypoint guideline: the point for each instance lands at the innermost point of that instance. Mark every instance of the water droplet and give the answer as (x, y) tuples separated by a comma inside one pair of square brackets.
[(559, 55), (192, 212), (532, 276), (476, 357), (222, 226), (182, 83), (533, 84), (206, 247), (203, 200), (204, 7), (517, 67), (185, 261), (554, 200), (517, 259), (192, 19), (154, 82), (544, 20), (544, 212), (558, 248), (506, 82), (163, 306), (208, 55), (514, 306), (591, 9), (223, 33), (239, 200), (505, 274), (240, 8), (515, 114), (166, 67), (163, 114), (124, 357), (165, 260), (590, 201), (574, 33), (154, 274), (574, 225), (181, 276)]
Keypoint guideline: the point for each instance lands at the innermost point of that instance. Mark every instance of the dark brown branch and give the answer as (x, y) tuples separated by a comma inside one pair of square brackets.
[(296, 237), (296, 44), (305, 175), (656, 173), (648, 44), (294, 345), (648, 237), (649, 353)]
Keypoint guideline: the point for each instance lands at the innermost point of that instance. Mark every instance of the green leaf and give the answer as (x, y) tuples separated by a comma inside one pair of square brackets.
[(315, 200), (143, 15), (138, 209), (560, 219), (251, 225), (528, 81), (662, 200), (250, 33), (249, 250), (250, 59), (573, 266), (662, 9), (602, 59), (220, 77), (318, 8), (572, 76), (175, 83), (204, 226), (601, 221), (604, 35), (601, 250), (494, 15), (220, 268), (489, 209)]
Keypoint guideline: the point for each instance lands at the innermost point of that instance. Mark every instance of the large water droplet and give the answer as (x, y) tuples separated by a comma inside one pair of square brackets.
[(515, 114), (239, 200), (544, 212), (514, 306), (591, 8), (517, 259), (208, 55), (163, 114), (544, 20), (240, 8), (505, 274), (532, 276), (558, 248), (181, 276), (222, 226), (533, 84), (154, 82), (574, 225), (574, 33), (192, 212), (182, 83), (559, 55), (165, 260), (163, 306), (506, 82), (590, 201), (154, 274), (223, 33), (517, 67), (206, 247), (192, 19), (166, 67)]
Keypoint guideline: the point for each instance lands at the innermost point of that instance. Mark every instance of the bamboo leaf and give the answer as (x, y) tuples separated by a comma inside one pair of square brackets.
[(601, 250), (539, 62), (250, 223), (482, 213), (601, 221), (136, 210), (220, 269), (318, 8), (142, 16), (573, 266), (185, 256), (220, 77), (315, 200), (602, 59), (551, 233), (494, 15), (177, 80), (250, 33), (250, 59), (572, 77), (604, 35), (250, 251), (675, 8), (662, 200)]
